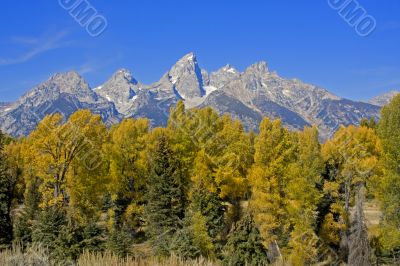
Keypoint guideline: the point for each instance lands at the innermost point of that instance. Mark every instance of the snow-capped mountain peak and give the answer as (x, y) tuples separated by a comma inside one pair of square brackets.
[(230, 69)]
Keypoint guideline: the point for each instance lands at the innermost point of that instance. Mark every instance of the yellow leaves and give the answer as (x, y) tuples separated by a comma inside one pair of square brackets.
[(50, 200), (266, 203), (214, 150), (352, 156), (230, 183), (357, 149), (287, 168), (273, 145), (126, 153), (133, 214), (332, 188), (201, 238), (65, 156), (203, 173), (302, 245), (330, 231), (389, 236)]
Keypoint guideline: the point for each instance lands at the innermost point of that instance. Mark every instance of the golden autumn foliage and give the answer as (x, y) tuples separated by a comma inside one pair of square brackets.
[(354, 153), (135, 189)]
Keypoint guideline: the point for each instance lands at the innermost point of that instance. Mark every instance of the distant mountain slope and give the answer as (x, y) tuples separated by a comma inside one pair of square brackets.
[(384, 99), (4, 106), (249, 96)]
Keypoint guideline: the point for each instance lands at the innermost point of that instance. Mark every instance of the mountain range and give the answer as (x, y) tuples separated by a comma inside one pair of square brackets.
[(249, 96)]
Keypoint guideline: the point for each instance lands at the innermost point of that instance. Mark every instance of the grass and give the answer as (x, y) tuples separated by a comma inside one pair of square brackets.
[(39, 256)]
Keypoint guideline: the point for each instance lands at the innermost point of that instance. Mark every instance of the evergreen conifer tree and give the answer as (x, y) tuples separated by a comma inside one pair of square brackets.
[(6, 197), (244, 246), (165, 196)]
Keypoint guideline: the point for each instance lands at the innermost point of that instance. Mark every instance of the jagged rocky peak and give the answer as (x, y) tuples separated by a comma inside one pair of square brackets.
[(124, 74), (69, 82), (247, 95), (229, 69), (187, 77), (259, 67), (121, 89), (63, 83), (384, 99), (121, 82), (63, 93), (223, 76)]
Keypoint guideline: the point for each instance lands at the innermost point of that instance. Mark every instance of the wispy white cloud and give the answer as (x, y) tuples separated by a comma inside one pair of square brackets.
[(37, 46)]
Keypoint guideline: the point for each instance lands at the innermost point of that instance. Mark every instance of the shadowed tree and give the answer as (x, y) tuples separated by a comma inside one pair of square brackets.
[(244, 246), (7, 185)]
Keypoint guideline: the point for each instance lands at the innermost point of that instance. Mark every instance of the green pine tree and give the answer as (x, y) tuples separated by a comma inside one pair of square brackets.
[(119, 242), (244, 246), (212, 208), (165, 196), (184, 241)]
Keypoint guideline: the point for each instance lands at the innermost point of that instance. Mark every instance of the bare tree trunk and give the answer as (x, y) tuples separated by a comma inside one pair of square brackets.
[(359, 247), (344, 234), (274, 252)]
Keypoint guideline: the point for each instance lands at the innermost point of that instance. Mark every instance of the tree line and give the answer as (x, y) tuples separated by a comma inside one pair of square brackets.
[(204, 187)]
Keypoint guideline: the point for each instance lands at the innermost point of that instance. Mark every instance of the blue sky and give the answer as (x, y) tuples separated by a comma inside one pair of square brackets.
[(299, 39)]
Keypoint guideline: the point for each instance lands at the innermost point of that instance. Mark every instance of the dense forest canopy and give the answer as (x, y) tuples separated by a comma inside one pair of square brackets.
[(204, 187)]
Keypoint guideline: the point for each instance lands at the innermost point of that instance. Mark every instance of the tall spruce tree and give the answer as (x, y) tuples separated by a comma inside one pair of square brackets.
[(165, 196), (6, 196)]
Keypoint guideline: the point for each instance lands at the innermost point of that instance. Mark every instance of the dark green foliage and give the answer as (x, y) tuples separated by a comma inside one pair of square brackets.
[(388, 130), (64, 239), (72, 240), (370, 123), (93, 237), (26, 218), (7, 185), (244, 245), (119, 206), (48, 226), (211, 207), (183, 243), (165, 196), (120, 243), (50, 231)]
